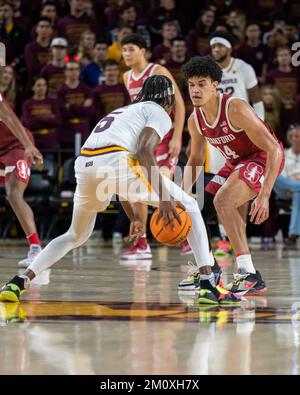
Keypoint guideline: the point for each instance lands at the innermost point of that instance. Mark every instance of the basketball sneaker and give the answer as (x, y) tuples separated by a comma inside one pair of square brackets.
[(224, 248), (12, 291), (216, 295), (140, 250), (33, 252), (247, 283), (186, 249), (192, 281)]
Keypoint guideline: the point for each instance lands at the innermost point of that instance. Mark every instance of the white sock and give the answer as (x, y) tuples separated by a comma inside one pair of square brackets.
[(222, 232), (245, 264), (212, 259)]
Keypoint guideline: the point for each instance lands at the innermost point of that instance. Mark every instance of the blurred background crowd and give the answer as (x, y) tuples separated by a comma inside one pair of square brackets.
[(64, 72)]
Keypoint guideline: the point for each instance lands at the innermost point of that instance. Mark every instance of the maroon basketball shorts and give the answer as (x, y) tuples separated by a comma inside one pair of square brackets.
[(12, 162), (251, 171)]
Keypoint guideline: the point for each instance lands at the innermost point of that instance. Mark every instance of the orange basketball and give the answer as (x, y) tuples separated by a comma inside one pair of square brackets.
[(171, 236)]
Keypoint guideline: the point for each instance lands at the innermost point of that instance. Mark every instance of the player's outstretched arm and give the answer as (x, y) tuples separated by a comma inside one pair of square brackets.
[(242, 116), (148, 141), (194, 166), (175, 143), (9, 118)]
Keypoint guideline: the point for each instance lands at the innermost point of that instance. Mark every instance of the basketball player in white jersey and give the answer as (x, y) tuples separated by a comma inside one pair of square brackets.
[(239, 80), (167, 152), (111, 163)]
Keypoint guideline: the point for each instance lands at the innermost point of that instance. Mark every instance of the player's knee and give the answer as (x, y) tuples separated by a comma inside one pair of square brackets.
[(221, 203), (77, 239), (13, 195)]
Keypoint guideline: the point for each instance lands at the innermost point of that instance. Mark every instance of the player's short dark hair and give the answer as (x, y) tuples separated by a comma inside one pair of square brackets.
[(159, 89), (135, 39), (110, 62), (202, 66), (228, 36)]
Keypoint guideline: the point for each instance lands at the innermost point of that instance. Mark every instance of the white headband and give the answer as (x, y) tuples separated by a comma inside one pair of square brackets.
[(220, 40)]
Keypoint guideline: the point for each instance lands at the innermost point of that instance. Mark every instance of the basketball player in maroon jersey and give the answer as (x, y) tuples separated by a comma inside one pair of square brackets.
[(167, 152), (17, 153), (254, 158)]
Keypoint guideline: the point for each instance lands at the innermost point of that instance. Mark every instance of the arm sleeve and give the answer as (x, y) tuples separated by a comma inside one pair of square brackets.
[(157, 118), (250, 76)]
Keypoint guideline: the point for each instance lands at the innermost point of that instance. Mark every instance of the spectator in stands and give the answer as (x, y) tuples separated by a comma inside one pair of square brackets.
[(115, 51), (54, 72), (163, 51), (274, 39), (23, 21), (128, 16), (253, 51), (198, 37), (287, 184), (41, 116), (85, 49), (8, 84), (110, 94), (287, 80), (73, 25), (37, 52), (178, 58), (236, 20), (49, 10), (75, 105), (290, 30), (91, 74), (166, 10), (12, 35), (272, 104)]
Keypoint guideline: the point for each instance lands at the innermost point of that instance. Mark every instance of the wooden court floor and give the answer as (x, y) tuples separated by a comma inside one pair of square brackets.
[(90, 314)]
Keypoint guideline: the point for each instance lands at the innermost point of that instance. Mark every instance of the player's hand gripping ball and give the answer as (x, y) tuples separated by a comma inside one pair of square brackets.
[(169, 236)]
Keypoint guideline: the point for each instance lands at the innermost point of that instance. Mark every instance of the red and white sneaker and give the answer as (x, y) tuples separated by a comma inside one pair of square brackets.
[(140, 250), (186, 248)]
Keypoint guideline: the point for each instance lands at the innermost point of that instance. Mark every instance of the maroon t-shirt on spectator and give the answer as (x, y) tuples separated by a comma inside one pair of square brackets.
[(75, 117), (256, 56), (160, 51), (36, 57), (55, 76), (71, 28), (42, 118), (288, 85), (175, 69), (108, 98)]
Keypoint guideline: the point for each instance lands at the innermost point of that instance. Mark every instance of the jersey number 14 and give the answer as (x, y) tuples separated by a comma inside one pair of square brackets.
[(227, 152)]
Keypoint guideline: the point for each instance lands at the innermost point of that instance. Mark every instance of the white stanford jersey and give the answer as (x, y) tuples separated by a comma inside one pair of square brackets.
[(123, 126), (237, 78)]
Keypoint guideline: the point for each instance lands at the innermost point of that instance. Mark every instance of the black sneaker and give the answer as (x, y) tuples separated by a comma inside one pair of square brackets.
[(192, 281), (12, 291), (259, 288), (216, 295), (247, 283)]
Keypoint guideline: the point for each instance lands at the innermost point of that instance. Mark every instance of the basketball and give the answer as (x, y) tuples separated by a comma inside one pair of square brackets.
[(171, 236)]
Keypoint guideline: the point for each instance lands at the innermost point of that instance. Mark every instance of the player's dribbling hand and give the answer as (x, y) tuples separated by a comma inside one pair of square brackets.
[(33, 154), (174, 147), (168, 212), (135, 232), (259, 209)]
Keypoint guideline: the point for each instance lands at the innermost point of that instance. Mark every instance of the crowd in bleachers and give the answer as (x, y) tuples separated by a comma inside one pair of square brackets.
[(64, 66)]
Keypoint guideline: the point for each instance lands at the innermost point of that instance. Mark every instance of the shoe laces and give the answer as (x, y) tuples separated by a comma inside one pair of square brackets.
[(239, 277), (192, 268)]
